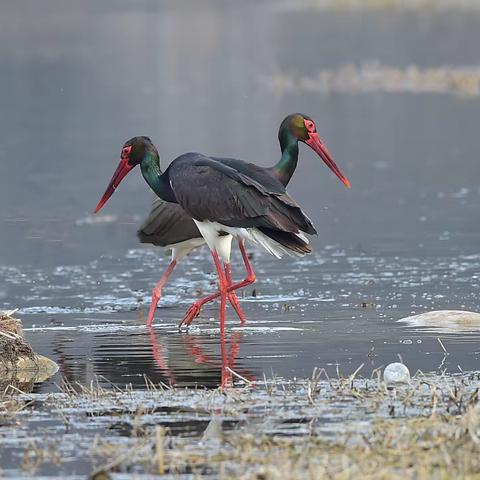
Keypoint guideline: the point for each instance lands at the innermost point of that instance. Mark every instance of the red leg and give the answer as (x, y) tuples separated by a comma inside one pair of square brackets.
[(222, 286), (232, 296), (195, 308), (251, 277), (157, 292)]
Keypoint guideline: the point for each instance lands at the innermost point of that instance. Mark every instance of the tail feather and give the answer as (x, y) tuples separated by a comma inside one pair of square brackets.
[(292, 242)]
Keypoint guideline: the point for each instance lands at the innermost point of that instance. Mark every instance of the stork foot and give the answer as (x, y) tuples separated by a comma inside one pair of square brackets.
[(195, 309), (191, 314)]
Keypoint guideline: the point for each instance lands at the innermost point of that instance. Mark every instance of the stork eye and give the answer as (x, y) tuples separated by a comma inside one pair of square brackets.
[(310, 126), (126, 151)]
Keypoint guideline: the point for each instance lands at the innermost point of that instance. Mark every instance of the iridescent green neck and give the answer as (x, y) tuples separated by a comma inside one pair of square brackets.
[(285, 168), (157, 181)]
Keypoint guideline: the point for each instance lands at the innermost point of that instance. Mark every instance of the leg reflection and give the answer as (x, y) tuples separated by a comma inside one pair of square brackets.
[(194, 364), (159, 357)]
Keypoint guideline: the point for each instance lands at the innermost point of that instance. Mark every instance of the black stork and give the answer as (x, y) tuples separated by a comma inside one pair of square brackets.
[(168, 225), (229, 198)]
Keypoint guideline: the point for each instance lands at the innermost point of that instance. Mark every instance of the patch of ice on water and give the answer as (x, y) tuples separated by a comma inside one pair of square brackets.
[(462, 193), (41, 329), (267, 329), (285, 355), (101, 327), (92, 219), (49, 310), (110, 328), (196, 330), (272, 298)]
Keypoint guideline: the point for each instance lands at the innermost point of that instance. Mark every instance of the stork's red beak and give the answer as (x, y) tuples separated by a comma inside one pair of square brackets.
[(318, 146), (123, 168)]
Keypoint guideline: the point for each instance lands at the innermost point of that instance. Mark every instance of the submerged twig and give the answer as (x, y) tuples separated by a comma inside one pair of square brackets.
[(443, 346)]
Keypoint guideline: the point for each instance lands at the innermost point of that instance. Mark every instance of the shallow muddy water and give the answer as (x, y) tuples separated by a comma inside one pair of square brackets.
[(78, 82)]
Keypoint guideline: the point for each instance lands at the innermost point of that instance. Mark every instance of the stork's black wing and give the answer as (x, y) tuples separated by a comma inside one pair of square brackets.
[(262, 175), (167, 224), (210, 190)]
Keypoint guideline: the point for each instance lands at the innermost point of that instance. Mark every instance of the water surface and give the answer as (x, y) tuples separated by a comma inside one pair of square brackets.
[(79, 81)]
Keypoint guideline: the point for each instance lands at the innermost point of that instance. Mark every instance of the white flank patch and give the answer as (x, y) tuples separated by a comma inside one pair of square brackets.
[(210, 230), (181, 249), (222, 244)]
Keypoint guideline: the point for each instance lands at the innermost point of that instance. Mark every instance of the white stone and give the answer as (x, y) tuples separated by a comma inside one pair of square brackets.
[(396, 373)]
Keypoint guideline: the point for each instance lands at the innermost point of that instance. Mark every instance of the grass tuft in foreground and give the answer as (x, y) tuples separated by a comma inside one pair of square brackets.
[(315, 428)]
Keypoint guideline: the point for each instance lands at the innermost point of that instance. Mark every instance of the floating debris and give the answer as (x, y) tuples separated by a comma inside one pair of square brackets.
[(396, 373), (445, 321), (374, 77)]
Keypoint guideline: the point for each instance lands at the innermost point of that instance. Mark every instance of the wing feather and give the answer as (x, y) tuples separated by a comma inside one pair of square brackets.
[(167, 224), (210, 190)]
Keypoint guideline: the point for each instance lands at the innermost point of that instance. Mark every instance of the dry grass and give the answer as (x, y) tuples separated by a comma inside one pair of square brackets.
[(374, 77), (345, 427), (12, 344), (432, 447), (20, 367), (397, 5)]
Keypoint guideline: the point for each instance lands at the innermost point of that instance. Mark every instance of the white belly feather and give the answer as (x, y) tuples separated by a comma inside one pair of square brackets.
[(181, 249), (222, 244), (212, 233)]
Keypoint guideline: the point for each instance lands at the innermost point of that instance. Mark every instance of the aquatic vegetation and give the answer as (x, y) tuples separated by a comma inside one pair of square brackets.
[(321, 426), (409, 5), (375, 77)]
